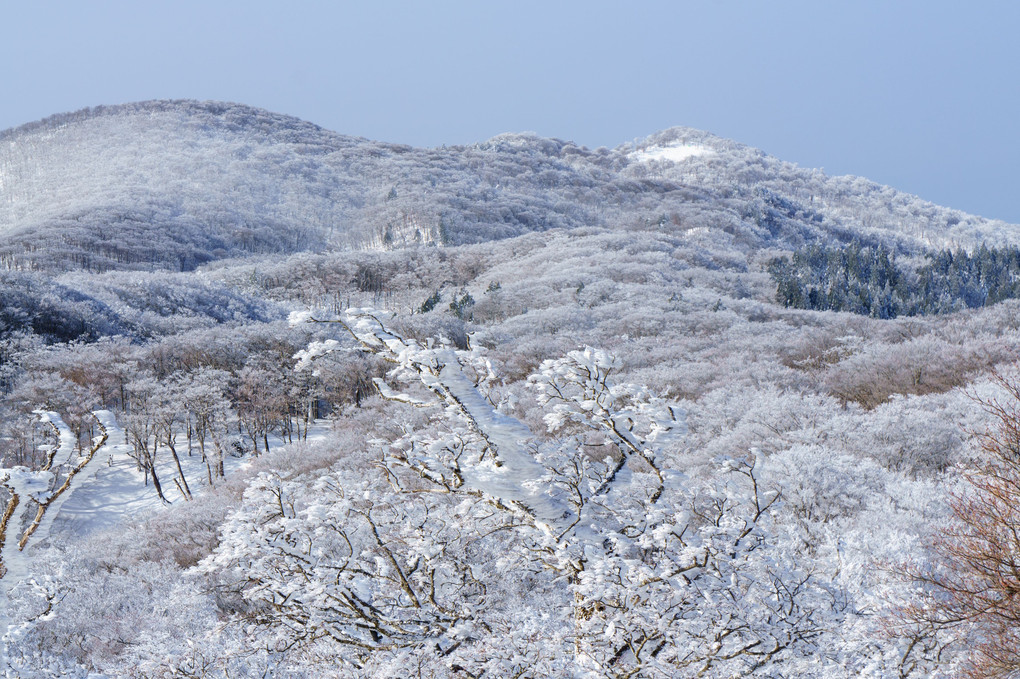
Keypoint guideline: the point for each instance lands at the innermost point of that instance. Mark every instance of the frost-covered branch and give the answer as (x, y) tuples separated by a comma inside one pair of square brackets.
[(464, 540)]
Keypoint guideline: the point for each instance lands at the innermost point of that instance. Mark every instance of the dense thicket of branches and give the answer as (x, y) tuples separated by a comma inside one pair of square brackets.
[(971, 590)]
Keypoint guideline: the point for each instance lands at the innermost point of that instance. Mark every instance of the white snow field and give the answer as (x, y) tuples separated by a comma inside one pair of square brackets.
[(673, 154)]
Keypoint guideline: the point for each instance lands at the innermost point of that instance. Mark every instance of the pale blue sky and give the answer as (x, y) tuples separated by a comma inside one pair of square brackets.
[(921, 95)]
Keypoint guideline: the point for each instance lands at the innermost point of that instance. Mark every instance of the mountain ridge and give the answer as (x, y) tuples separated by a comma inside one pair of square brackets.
[(173, 184)]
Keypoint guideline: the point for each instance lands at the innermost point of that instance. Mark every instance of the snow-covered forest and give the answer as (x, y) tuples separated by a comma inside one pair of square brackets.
[(278, 402)]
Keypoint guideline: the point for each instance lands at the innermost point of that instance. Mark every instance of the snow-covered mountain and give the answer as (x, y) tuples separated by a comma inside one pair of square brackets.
[(173, 184), (538, 410)]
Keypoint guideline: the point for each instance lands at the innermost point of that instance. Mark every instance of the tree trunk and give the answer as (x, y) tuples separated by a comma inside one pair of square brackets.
[(150, 467), (180, 472)]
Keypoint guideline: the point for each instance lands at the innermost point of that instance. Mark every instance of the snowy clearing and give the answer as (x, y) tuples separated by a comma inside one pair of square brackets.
[(115, 490), (673, 154)]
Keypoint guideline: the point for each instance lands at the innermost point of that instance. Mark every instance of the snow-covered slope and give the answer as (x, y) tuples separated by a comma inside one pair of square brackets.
[(772, 193), (173, 184), (592, 423)]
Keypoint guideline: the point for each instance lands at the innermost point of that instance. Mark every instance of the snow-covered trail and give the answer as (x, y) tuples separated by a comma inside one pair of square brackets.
[(116, 491), (104, 491), (17, 562), (65, 437), (518, 477), (112, 490), (67, 447), (107, 492)]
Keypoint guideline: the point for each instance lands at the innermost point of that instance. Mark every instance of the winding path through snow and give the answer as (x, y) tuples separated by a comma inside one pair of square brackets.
[(114, 487)]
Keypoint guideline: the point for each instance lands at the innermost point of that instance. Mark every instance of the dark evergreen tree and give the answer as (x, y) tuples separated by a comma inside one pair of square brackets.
[(866, 280)]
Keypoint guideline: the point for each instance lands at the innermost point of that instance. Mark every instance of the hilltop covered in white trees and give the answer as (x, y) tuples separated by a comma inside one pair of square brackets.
[(280, 402)]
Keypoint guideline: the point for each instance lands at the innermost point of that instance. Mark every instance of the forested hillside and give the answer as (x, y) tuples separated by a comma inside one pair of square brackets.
[(868, 280), (280, 402), (171, 185)]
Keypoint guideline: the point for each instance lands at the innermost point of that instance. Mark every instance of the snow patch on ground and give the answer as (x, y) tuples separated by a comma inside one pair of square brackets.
[(673, 154), (112, 490)]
